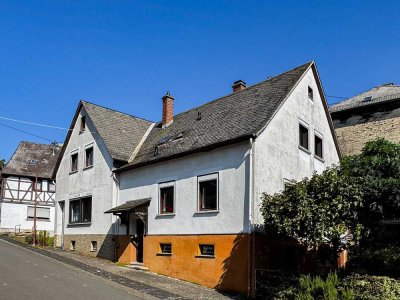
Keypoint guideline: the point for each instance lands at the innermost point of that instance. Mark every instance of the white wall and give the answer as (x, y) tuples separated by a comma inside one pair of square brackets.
[(96, 181), (230, 162), (276, 150), (13, 214)]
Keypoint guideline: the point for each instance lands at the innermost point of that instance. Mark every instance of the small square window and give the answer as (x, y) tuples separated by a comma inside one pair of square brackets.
[(208, 192), (74, 162), (166, 199), (73, 245), (39, 186), (166, 248), (83, 124), (51, 187), (318, 147), (93, 246), (303, 132), (88, 157), (310, 93), (207, 250)]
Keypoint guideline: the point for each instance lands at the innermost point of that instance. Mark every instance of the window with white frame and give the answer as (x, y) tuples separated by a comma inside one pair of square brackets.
[(303, 136), (310, 93), (74, 162), (42, 213), (208, 192), (167, 197), (89, 157), (318, 149), (51, 186), (80, 210)]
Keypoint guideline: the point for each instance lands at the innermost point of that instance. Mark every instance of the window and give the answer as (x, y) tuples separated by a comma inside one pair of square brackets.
[(83, 125), (72, 245), (318, 146), (42, 213), (80, 210), (51, 187), (88, 157), (74, 162), (310, 93), (208, 192), (207, 250), (166, 248), (303, 131), (167, 198), (93, 246), (39, 185)]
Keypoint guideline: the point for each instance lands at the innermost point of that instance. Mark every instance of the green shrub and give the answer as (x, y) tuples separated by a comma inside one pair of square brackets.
[(44, 239)]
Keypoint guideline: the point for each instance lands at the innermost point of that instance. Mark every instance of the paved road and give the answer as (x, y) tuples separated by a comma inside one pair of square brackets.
[(28, 275)]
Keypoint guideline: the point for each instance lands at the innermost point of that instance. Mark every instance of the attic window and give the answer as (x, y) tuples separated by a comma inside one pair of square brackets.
[(74, 162), (83, 125), (310, 93)]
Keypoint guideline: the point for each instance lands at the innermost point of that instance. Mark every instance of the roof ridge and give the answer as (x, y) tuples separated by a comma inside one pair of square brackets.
[(246, 89), (117, 111)]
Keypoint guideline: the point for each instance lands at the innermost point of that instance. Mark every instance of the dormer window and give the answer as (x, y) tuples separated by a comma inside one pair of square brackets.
[(83, 125), (310, 93)]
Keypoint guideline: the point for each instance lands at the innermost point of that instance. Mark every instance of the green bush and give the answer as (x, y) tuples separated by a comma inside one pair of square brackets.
[(315, 288), (44, 239)]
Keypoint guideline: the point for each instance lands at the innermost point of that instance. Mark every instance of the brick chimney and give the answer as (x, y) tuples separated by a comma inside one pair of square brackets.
[(238, 86), (168, 110)]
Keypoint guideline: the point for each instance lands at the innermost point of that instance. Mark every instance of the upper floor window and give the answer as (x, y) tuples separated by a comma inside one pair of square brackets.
[(80, 210), (167, 194), (39, 185), (318, 146), (83, 124), (208, 192), (88, 157), (74, 162), (51, 187), (303, 134), (310, 93)]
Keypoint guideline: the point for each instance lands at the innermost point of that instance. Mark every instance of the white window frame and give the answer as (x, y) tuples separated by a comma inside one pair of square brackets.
[(304, 124), (88, 147), (318, 134), (312, 92), (70, 161), (202, 178), (38, 208), (166, 185)]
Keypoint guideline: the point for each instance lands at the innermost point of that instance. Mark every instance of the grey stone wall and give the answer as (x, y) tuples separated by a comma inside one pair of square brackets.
[(105, 244)]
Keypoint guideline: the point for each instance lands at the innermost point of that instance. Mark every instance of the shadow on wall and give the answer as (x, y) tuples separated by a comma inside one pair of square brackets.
[(235, 268), (105, 245)]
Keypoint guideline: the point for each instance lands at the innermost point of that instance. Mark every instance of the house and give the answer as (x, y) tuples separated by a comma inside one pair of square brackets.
[(189, 197), (99, 140), (369, 115), (27, 176)]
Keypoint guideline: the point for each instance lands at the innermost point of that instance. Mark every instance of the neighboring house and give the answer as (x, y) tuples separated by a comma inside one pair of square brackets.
[(31, 163), (99, 140), (189, 198), (372, 114)]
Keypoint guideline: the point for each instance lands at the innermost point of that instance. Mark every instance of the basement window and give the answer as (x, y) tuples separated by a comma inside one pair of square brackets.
[(206, 250), (310, 93), (72, 246), (166, 248), (303, 136), (318, 147), (208, 192), (93, 246)]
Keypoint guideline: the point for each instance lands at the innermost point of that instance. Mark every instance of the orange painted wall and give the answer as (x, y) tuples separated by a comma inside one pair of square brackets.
[(126, 251), (227, 271)]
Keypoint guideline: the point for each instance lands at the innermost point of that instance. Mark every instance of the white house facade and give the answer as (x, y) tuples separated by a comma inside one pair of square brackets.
[(189, 199), (28, 177)]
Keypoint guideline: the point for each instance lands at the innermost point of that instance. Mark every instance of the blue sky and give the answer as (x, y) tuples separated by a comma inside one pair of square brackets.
[(126, 54)]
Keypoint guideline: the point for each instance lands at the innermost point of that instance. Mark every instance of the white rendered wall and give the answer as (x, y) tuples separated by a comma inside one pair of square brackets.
[(13, 214), (230, 162), (276, 150), (96, 181)]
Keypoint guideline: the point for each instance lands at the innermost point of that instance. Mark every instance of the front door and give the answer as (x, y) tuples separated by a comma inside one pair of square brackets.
[(140, 233)]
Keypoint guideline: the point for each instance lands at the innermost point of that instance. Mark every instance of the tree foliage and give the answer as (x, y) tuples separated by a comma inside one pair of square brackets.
[(322, 209)]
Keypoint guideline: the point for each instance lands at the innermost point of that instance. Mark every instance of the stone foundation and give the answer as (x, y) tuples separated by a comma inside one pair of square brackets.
[(83, 244)]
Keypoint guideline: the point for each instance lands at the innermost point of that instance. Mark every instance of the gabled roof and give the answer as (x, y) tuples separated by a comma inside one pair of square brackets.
[(227, 120), (31, 159), (379, 94), (121, 133)]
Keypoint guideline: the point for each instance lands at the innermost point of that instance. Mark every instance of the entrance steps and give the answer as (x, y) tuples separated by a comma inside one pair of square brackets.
[(137, 266)]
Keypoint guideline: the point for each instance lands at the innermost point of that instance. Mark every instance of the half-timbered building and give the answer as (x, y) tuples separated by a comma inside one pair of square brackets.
[(26, 178)]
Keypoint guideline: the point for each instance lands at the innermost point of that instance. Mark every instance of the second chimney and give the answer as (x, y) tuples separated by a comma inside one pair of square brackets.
[(168, 110), (238, 86)]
